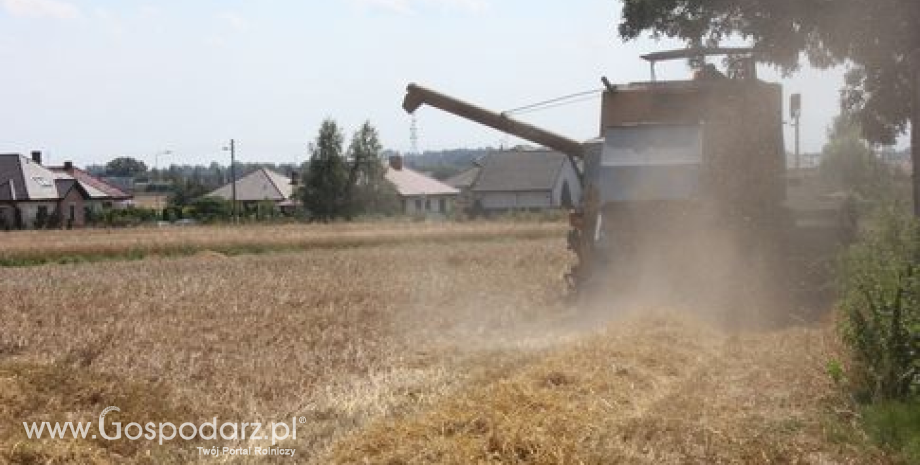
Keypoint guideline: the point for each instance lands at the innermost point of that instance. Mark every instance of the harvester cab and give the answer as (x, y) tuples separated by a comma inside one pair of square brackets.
[(678, 166)]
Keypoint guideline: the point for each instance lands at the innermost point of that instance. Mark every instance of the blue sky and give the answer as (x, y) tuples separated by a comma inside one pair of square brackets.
[(88, 80)]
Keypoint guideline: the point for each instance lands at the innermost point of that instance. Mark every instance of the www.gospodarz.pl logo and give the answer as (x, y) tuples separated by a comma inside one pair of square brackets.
[(163, 432)]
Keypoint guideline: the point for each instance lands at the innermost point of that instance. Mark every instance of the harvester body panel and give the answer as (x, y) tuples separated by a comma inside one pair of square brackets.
[(647, 162), (679, 168)]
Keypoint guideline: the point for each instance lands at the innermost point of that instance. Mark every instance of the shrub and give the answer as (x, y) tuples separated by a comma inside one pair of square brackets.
[(129, 217), (211, 209), (895, 425), (880, 299), (90, 217)]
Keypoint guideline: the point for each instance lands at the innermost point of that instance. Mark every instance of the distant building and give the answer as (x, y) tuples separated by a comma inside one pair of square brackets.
[(521, 179), (33, 195), (420, 194), (262, 185), (464, 182)]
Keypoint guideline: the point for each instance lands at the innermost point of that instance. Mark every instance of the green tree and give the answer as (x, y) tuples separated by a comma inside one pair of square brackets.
[(125, 167), (326, 185), (185, 192), (371, 192), (849, 163), (877, 39)]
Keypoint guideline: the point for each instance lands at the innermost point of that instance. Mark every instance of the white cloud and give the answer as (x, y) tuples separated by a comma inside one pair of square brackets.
[(413, 6), (56, 9)]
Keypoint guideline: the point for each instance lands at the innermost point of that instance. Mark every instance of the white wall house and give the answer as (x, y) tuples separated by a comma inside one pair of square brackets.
[(31, 193), (420, 194)]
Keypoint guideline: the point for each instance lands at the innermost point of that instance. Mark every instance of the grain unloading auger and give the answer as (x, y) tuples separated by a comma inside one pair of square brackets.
[(680, 168), (416, 96)]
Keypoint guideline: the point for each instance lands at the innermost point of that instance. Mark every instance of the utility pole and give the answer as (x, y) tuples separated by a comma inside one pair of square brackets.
[(236, 218), (915, 131), (795, 107)]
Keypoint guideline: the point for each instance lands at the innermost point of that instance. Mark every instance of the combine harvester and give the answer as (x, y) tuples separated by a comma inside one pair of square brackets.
[(686, 185)]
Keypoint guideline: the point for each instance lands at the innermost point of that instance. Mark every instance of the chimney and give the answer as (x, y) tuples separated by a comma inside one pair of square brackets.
[(37, 157), (396, 162), (68, 166), (295, 178)]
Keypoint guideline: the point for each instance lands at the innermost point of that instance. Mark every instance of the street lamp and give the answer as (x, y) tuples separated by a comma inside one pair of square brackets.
[(156, 167), (156, 159), (232, 149)]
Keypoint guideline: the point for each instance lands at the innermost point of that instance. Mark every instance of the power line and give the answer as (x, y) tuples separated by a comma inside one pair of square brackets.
[(555, 102), (557, 105)]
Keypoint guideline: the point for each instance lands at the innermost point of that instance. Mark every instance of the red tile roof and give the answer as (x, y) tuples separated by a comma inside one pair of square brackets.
[(89, 180)]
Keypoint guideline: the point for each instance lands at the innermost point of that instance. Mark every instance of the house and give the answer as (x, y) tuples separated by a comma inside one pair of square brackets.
[(32, 195), (464, 182), (522, 179), (420, 194), (259, 186), (99, 190)]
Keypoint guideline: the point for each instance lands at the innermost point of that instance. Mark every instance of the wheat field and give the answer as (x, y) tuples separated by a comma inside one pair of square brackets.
[(450, 344)]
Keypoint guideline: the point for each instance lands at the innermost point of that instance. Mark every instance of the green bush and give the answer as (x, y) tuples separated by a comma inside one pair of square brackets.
[(211, 209), (895, 425), (129, 217), (880, 299)]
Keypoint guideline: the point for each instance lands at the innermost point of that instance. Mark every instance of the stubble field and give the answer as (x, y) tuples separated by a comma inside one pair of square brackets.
[(457, 347)]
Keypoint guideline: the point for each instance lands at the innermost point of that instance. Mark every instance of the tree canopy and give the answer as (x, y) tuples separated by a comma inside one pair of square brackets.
[(849, 163), (371, 192), (876, 38), (326, 183), (125, 166)]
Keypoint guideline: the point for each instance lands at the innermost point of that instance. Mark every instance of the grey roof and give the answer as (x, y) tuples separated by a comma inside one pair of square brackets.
[(261, 184), (64, 186), (465, 179), (21, 179), (7, 192), (520, 171), (29, 180)]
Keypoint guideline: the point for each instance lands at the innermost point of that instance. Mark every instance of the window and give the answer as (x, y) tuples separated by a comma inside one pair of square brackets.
[(42, 181), (418, 204), (442, 205), (427, 204), (42, 212)]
